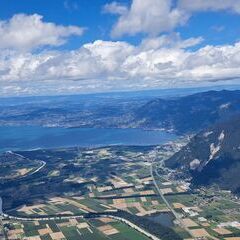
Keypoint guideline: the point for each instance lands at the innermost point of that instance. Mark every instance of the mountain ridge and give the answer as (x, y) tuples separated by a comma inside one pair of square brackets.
[(191, 113), (212, 156)]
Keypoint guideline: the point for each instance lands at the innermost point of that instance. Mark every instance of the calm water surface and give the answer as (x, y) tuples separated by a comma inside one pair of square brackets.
[(30, 137), (165, 219)]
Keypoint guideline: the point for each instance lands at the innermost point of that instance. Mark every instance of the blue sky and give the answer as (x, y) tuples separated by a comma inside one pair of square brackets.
[(87, 13), (217, 27), (81, 46)]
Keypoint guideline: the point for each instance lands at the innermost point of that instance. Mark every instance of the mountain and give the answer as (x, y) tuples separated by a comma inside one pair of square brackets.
[(212, 156), (181, 114), (189, 113)]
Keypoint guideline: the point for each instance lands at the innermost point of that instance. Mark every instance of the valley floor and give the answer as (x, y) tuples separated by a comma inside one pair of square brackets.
[(115, 192)]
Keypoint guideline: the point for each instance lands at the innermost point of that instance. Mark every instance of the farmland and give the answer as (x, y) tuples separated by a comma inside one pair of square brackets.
[(97, 193), (102, 228)]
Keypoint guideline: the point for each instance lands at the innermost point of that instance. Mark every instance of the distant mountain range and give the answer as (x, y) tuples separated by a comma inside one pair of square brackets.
[(212, 156), (186, 114), (190, 113), (69, 111)]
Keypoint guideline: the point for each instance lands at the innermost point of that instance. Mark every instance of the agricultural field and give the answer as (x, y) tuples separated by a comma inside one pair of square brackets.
[(102, 229), (74, 193)]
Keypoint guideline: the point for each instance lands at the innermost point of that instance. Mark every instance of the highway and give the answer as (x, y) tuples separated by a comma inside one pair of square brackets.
[(43, 164), (178, 218), (175, 214), (40, 218), (152, 171), (127, 222)]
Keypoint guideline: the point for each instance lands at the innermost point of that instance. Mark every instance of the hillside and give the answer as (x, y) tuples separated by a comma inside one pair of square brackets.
[(212, 156), (190, 113), (181, 114)]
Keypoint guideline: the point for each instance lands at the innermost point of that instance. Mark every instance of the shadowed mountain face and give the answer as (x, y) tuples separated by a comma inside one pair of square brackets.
[(212, 156), (189, 114)]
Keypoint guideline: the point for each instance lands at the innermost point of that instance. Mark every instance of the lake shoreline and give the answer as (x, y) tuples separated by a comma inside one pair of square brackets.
[(17, 138)]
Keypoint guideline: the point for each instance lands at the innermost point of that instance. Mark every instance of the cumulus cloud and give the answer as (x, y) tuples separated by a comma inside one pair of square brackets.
[(25, 32), (160, 60), (210, 5), (170, 41), (149, 16), (107, 65), (153, 17), (115, 8)]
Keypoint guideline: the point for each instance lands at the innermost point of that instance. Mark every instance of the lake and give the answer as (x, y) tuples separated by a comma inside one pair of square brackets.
[(31, 137), (165, 218)]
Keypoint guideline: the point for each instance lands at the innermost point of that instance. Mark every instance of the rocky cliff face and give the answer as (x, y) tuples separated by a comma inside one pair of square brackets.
[(212, 156)]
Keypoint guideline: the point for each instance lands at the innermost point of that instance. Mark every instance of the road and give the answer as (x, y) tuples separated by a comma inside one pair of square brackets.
[(125, 221), (132, 225), (175, 214), (162, 196), (43, 164)]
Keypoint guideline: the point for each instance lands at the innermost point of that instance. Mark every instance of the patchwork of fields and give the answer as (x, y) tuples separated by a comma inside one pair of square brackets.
[(65, 197), (102, 228)]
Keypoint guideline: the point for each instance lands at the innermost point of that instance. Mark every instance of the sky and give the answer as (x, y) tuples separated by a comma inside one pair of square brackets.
[(82, 46)]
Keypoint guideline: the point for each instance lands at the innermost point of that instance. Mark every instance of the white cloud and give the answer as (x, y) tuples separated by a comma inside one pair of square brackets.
[(106, 65), (149, 16), (25, 32), (158, 61), (115, 8), (210, 5), (169, 41), (153, 17)]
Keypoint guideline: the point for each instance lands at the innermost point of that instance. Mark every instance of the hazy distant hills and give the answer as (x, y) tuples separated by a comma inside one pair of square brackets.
[(69, 111), (212, 156), (190, 113), (181, 114)]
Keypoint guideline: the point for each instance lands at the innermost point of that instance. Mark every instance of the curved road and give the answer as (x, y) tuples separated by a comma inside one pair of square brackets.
[(43, 163), (39, 168), (176, 215), (125, 221)]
